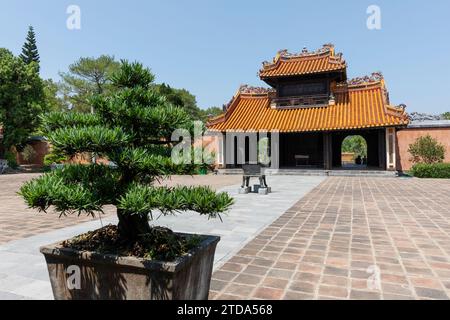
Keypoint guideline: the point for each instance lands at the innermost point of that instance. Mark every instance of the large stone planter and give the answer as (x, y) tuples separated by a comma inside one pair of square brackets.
[(106, 277)]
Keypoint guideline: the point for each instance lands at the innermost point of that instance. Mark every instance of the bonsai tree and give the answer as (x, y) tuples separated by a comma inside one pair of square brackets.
[(426, 149), (132, 129)]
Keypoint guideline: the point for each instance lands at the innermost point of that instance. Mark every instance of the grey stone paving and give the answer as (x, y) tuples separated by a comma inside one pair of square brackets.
[(349, 238), (23, 273)]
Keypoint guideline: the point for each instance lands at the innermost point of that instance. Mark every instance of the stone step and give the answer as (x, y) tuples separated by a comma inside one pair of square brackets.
[(290, 172), (363, 173), (303, 172)]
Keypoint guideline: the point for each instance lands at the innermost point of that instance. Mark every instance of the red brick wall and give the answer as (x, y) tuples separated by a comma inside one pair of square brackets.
[(405, 137)]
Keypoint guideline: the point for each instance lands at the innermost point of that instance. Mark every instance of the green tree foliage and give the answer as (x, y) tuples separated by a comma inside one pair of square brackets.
[(181, 98), (28, 153), (426, 149), (53, 158), (184, 99), (52, 101), (446, 115), (431, 170), (12, 159), (130, 128), (29, 50), (86, 78), (21, 99), (211, 112), (356, 145)]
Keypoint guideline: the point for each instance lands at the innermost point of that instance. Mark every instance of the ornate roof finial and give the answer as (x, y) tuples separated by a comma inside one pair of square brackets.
[(330, 48)]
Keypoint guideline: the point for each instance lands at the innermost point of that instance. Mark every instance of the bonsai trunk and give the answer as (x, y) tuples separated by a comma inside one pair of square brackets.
[(131, 226)]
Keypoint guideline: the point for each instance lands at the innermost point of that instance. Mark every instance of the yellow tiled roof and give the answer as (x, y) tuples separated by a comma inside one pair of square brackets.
[(286, 64), (357, 106)]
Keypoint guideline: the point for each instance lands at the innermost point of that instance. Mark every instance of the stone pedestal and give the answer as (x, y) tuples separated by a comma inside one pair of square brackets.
[(264, 191), (245, 190)]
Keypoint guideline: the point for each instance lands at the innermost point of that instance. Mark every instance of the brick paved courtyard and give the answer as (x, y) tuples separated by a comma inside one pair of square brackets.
[(249, 215), (329, 245), (323, 247), (18, 222)]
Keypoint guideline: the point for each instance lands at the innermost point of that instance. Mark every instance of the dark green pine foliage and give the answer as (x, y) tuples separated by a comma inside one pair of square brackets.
[(29, 50), (130, 128), (21, 100)]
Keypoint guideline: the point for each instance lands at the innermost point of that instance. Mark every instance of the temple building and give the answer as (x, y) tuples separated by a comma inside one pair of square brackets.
[(313, 107)]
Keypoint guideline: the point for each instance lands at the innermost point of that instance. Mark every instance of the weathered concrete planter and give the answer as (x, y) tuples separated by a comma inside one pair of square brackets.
[(106, 277)]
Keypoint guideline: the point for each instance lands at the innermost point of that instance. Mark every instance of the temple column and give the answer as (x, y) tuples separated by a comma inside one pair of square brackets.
[(391, 163), (222, 151), (382, 149), (327, 151)]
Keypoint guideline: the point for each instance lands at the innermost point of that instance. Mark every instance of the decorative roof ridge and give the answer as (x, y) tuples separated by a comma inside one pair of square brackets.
[(374, 78), (343, 87), (398, 111), (418, 117), (254, 91), (217, 117), (400, 108), (244, 90), (285, 55), (215, 120), (401, 114)]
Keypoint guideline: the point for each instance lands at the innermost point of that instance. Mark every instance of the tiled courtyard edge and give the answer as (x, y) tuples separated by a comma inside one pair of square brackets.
[(23, 273), (292, 244), (329, 244)]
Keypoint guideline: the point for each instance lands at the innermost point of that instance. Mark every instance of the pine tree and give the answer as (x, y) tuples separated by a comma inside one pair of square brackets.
[(21, 100), (29, 50), (129, 128)]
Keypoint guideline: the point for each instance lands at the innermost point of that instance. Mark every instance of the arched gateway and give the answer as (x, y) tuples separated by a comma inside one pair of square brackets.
[(354, 152), (312, 108)]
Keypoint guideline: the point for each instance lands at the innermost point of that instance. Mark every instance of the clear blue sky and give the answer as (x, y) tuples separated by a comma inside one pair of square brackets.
[(210, 47)]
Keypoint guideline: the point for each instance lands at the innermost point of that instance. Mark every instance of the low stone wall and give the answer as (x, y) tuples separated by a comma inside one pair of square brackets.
[(407, 136)]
